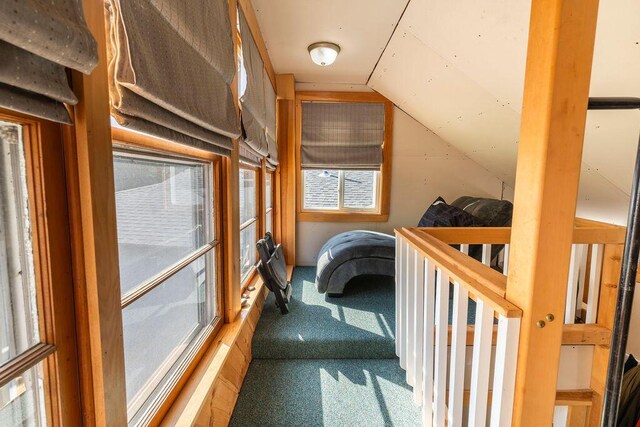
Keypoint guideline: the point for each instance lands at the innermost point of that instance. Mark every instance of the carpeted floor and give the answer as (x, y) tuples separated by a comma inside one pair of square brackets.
[(359, 325), (330, 361), (325, 393)]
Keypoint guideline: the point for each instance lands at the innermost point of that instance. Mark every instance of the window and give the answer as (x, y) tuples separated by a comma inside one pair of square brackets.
[(248, 221), (341, 190), (168, 251), (22, 398), (36, 296), (344, 156), (269, 180)]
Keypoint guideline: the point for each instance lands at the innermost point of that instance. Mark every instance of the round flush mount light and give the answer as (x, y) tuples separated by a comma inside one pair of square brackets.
[(323, 53)]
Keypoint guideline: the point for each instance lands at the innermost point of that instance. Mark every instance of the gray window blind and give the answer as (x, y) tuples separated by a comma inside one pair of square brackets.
[(270, 106), (38, 39), (254, 115), (171, 68), (342, 135)]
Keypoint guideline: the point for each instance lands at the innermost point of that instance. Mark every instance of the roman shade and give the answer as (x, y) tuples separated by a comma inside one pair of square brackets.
[(171, 67), (252, 101), (38, 39), (270, 106), (342, 135), (248, 155)]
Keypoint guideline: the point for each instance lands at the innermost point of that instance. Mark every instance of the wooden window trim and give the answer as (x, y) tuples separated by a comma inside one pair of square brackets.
[(246, 280), (384, 186), (124, 139), (49, 219)]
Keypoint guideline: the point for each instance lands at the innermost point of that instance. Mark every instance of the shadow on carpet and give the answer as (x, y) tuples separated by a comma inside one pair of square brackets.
[(358, 325), (325, 393)]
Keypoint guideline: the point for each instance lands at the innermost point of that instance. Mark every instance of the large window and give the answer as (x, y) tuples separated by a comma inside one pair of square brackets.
[(248, 220), (168, 251), (37, 323), (344, 147)]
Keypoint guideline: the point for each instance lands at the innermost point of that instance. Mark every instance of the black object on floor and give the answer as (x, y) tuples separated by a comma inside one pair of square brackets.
[(273, 269)]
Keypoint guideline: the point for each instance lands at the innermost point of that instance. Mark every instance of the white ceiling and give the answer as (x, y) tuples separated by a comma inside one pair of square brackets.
[(360, 27), (458, 68)]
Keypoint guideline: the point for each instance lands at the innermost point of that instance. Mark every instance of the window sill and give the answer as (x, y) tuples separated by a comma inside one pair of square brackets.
[(342, 217), (210, 394)]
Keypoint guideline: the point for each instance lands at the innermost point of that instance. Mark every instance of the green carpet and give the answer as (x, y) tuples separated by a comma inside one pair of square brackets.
[(358, 325), (325, 393)]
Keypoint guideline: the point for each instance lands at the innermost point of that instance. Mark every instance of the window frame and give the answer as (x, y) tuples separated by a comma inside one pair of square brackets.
[(383, 181), (271, 173), (128, 141), (257, 219), (50, 237)]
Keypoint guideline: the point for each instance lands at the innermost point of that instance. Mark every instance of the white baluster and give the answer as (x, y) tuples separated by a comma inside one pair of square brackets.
[(399, 243), (504, 375), (597, 252), (464, 248), (402, 316), (582, 270), (481, 364), (458, 350), (418, 309), (440, 365), (505, 267), (411, 268), (428, 347), (560, 416), (486, 254), (572, 285)]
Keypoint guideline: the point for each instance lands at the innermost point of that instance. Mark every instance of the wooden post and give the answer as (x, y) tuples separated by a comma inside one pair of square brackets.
[(286, 144), (558, 71), (89, 158), (231, 205)]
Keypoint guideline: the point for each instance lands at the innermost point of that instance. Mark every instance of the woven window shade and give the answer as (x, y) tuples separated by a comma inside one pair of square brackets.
[(248, 155), (254, 117), (38, 39), (171, 67), (342, 135), (270, 106)]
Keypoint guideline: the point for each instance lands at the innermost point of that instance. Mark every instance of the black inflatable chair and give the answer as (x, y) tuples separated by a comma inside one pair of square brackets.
[(273, 269)]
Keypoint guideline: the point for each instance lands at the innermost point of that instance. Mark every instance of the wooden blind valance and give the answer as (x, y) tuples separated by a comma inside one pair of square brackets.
[(39, 39), (342, 135), (171, 68)]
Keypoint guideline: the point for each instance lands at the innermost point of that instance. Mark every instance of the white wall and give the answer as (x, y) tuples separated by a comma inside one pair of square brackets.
[(424, 167)]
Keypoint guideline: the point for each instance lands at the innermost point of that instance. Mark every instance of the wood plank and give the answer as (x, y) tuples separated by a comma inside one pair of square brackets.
[(89, 157), (286, 146), (611, 267), (309, 216), (586, 334), (573, 397), (502, 235), (323, 96), (558, 71)]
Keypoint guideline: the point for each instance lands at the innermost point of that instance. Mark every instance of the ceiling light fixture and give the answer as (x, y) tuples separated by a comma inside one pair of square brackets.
[(323, 53)]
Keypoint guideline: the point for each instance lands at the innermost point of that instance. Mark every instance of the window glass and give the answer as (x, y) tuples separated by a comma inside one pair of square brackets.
[(165, 217), (321, 189), (360, 189), (160, 325), (22, 399), (269, 191), (248, 252), (162, 214), (247, 195), (19, 312), (270, 221)]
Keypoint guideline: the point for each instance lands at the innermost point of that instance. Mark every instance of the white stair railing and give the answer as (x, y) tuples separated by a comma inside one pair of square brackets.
[(427, 271)]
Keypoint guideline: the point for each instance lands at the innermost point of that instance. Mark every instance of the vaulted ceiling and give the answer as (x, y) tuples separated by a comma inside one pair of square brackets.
[(458, 68)]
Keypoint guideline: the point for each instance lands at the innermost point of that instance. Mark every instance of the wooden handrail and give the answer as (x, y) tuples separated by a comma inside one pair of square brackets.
[(583, 233), (479, 279)]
